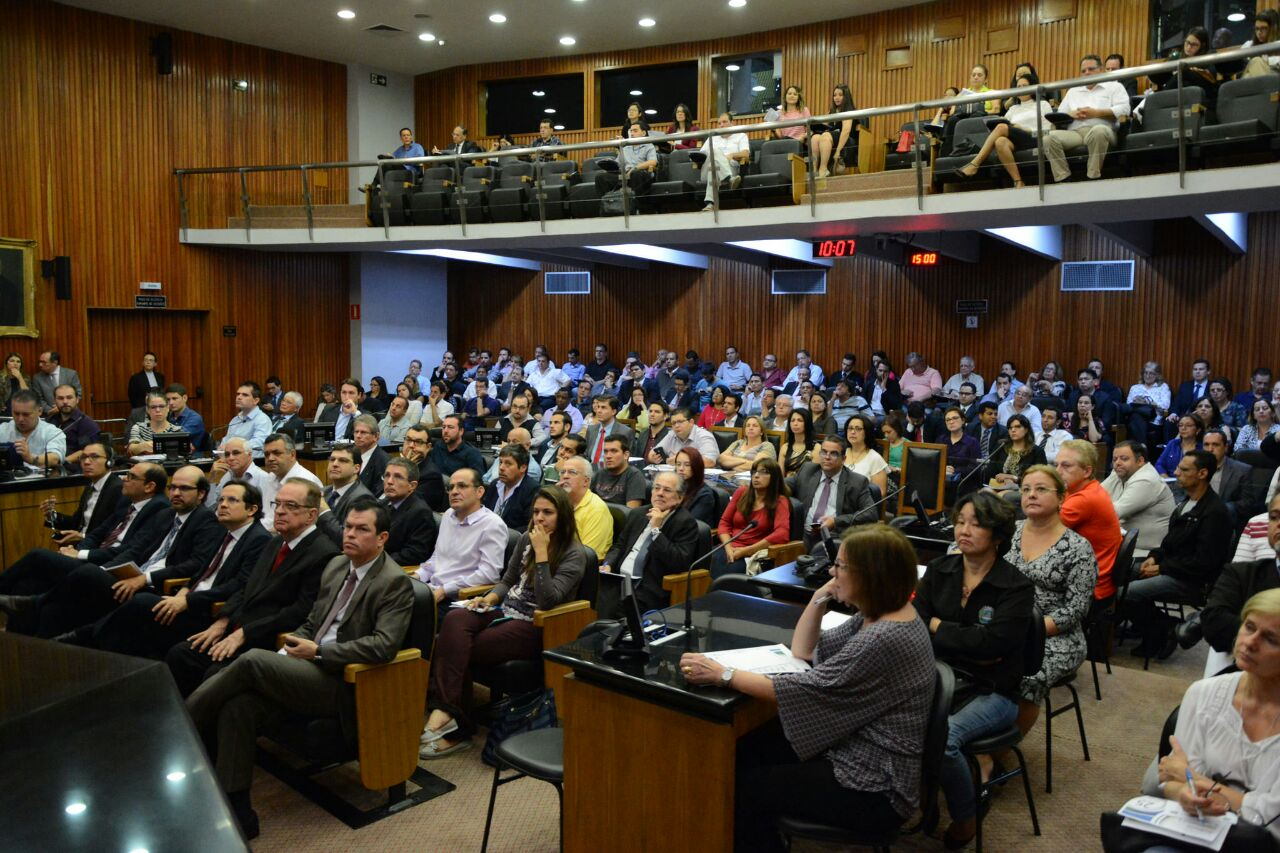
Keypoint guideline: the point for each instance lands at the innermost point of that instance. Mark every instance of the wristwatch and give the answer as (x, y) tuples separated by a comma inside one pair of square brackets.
[(726, 676)]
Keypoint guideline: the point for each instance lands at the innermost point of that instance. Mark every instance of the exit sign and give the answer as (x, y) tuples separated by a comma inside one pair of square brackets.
[(377, 79)]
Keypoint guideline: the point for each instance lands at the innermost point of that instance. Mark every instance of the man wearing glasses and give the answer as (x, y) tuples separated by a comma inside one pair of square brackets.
[(595, 524), (98, 500), (417, 449), (280, 459), (471, 544)]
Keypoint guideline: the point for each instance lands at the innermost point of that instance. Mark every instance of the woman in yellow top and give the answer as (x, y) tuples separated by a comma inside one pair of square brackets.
[(978, 75)]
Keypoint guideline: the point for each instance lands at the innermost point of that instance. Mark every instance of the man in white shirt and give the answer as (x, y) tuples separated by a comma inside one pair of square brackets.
[(236, 463), (1052, 436), (731, 153), (685, 433), (39, 442), (952, 386), (1142, 500), (1020, 404), (563, 404), (733, 371), (280, 459), (471, 543), (782, 408), (1095, 111), (804, 360), (545, 380)]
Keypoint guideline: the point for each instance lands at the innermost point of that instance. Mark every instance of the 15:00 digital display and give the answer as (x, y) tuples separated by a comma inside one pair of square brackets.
[(924, 259), (835, 248)]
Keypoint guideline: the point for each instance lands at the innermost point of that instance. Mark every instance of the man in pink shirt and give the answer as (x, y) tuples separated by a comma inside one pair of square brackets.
[(920, 381)]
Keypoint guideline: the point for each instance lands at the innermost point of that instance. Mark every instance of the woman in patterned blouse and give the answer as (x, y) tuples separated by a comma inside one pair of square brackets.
[(1061, 564), (1262, 422), (157, 414), (846, 746)]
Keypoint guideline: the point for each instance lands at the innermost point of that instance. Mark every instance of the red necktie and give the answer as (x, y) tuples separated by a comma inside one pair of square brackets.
[(284, 552), (595, 457)]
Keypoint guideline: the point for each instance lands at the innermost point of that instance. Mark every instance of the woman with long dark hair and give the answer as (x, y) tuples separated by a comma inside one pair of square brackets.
[(766, 501), (699, 498), (682, 122), (837, 145), (1018, 133), (799, 442)]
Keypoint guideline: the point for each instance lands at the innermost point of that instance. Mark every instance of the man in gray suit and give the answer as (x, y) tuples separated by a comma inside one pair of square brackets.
[(361, 615), (1233, 481), (605, 409), (832, 496), (50, 376)]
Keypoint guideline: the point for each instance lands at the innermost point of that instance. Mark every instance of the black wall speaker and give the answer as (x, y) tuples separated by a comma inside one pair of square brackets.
[(162, 50), (62, 277)]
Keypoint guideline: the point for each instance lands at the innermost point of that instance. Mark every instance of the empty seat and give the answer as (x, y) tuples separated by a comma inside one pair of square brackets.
[(1248, 114), (476, 183), (430, 204), (395, 189), (507, 200), (1159, 135), (584, 200), (557, 176), (970, 134), (772, 182), (682, 189)]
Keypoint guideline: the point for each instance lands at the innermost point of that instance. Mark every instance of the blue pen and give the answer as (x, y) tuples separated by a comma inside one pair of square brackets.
[(1191, 783)]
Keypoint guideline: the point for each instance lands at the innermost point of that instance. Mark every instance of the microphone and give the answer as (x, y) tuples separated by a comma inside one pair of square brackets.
[(982, 463), (688, 597)]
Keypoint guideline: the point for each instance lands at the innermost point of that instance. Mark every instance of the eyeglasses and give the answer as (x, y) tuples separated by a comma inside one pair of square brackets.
[(92, 456), (290, 506), (129, 475)]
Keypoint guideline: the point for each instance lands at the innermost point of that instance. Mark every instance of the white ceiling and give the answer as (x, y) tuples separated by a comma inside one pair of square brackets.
[(533, 27)]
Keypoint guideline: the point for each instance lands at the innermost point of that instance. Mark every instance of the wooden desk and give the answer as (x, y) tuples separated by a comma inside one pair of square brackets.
[(649, 761), (21, 522)]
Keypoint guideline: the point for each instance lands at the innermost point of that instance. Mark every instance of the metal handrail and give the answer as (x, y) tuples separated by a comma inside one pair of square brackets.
[(454, 159)]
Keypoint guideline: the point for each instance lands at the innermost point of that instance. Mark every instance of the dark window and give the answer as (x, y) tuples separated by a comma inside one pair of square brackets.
[(516, 106), (660, 90), (1229, 22), (746, 85)]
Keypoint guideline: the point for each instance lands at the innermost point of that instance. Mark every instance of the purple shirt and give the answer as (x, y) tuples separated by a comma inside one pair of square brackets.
[(468, 552), (81, 430)]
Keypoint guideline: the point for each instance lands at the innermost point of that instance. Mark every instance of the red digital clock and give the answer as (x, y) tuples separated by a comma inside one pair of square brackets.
[(835, 248), (924, 259)]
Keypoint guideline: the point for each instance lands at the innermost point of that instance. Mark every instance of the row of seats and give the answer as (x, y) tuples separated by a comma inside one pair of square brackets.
[(511, 192)]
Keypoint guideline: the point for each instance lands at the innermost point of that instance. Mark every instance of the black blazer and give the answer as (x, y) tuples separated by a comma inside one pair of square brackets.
[(998, 434), (139, 386), (854, 506), (372, 467), (996, 464), (271, 602), (1186, 398), (890, 398), (413, 532), (193, 548), (328, 415), (687, 400), (1238, 582), (290, 426), (519, 508), (642, 439), (145, 534), (670, 553), (1197, 545), (234, 570), (431, 485), (108, 501), (331, 522)]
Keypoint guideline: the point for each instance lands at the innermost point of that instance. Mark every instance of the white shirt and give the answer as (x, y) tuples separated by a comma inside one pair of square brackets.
[(546, 384), (1160, 395), (209, 577), (575, 417), (1023, 115), (700, 440), (1104, 96), (470, 393), (1055, 440), (956, 380), (95, 492), (1032, 414), (331, 636), (270, 486), (816, 376), (443, 409)]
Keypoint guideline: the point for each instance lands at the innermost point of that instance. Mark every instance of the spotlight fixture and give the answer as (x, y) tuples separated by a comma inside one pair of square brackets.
[(538, 93), (1236, 17), (568, 41), (498, 18), (427, 36), (557, 127), (737, 4), (646, 22), (550, 111), (732, 67), (346, 14), (635, 93), (757, 88), (651, 112)]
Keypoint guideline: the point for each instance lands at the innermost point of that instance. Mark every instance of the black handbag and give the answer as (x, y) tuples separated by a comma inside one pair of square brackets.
[(512, 715)]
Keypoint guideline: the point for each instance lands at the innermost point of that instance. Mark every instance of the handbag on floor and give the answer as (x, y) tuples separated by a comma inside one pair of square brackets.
[(515, 714)]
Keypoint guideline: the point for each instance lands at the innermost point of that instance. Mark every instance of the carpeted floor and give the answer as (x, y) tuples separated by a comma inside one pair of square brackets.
[(1122, 731)]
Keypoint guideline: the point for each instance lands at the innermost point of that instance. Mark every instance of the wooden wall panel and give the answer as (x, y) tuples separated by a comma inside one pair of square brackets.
[(1192, 299), (87, 150)]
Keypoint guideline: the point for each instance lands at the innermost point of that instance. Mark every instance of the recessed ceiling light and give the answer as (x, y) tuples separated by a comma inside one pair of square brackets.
[(550, 111), (757, 88), (76, 808), (427, 36), (538, 93), (646, 22), (1236, 17), (498, 18), (176, 776), (635, 93), (346, 14), (737, 4), (732, 67), (568, 41), (440, 42), (558, 127), (651, 112)]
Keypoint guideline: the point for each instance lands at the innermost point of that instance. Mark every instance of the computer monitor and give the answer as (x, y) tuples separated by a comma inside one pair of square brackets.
[(319, 436), (488, 437), (628, 640), (10, 458), (175, 446)]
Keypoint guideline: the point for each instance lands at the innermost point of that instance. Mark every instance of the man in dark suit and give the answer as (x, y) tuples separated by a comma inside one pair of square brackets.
[(50, 375), (832, 496), (417, 449), (1188, 560), (635, 379), (286, 419), (344, 487), (680, 395), (652, 435), (271, 399), (662, 541), (1190, 391), (511, 495), (146, 379), (152, 621), (986, 429), (1233, 481), (1239, 582), (412, 538), (605, 408), (130, 534), (277, 595), (350, 396), (373, 459), (361, 615), (1106, 404), (461, 145), (848, 371), (98, 500)]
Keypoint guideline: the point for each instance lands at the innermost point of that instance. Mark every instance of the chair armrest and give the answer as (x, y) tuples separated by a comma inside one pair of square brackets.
[(527, 179), (798, 182), (216, 608), (390, 701), (172, 585), (678, 587), (786, 552), (352, 670), (561, 625), (472, 591)]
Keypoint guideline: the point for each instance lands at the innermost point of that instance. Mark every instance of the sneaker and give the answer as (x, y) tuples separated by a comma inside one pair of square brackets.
[(430, 735), (735, 182), (708, 208), (441, 747)]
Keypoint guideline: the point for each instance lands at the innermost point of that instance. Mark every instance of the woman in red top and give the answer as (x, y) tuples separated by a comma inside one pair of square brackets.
[(1087, 509), (766, 501), (712, 413), (683, 123)]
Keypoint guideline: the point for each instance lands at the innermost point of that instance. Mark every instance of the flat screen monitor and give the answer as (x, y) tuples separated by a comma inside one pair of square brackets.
[(318, 435), (488, 437), (174, 445)]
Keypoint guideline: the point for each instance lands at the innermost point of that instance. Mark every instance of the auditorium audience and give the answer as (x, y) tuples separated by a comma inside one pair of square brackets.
[(1246, 576), (832, 497), (765, 500), (951, 388), (712, 414), (412, 537), (962, 448), (38, 442), (1234, 413), (1149, 402), (145, 380), (882, 391), (1019, 133), (157, 422), (392, 428), (823, 423), (739, 455), (595, 524), (861, 455), (52, 374), (1083, 422), (1013, 457), (16, 380), (250, 422), (799, 442), (685, 433), (1190, 431), (1141, 500), (893, 430), (470, 543), (837, 144), (1233, 480), (510, 493), (730, 153), (1052, 435), (235, 463), (451, 452), (615, 481), (78, 428), (636, 163), (327, 407)]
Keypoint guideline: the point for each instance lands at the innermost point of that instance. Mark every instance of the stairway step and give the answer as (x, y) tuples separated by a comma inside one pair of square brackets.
[(841, 183)]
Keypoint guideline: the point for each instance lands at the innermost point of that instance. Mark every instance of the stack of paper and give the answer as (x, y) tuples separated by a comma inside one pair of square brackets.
[(1166, 817), (765, 660)]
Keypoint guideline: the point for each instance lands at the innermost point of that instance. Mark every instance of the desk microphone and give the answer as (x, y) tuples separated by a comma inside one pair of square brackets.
[(688, 596), (982, 463)]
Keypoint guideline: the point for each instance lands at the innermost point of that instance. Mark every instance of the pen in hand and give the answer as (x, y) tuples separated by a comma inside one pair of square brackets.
[(1191, 783)]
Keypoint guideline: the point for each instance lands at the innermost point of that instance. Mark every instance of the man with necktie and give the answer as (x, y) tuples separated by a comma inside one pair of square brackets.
[(361, 615), (659, 542)]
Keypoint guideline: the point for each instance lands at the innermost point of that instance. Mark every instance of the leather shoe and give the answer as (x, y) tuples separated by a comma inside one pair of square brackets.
[(12, 605), (1169, 646), (959, 834)]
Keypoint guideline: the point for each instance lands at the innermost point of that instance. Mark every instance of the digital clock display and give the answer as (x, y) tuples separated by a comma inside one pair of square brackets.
[(924, 259), (835, 248)]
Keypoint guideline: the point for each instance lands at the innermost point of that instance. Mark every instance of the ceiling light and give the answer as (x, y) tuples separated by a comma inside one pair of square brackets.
[(550, 111), (346, 14), (635, 93), (498, 18), (76, 808), (646, 22), (732, 67), (538, 93), (427, 36), (1236, 17), (651, 112), (558, 126), (568, 41), (176, 776), (440, 42), (757, 88), (737, 4)]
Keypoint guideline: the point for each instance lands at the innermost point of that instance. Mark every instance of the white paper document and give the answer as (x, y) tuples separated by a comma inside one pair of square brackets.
[(1165, 817), (765, 660)]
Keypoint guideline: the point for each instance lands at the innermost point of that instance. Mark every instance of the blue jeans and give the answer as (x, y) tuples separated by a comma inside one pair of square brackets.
[(983, 716)]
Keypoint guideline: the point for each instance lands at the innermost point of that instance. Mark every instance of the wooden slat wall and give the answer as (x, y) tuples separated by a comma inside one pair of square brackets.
[(1191, 299), (809, 58), (91, 137)]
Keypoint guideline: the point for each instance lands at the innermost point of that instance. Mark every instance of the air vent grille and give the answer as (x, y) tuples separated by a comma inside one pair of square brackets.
[(799, 282), (1097, 275), (566, 283), (383, 29)]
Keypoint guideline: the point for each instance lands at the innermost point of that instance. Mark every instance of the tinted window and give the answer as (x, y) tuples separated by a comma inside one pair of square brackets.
[(748, 84), (660, 90), (515, 106)]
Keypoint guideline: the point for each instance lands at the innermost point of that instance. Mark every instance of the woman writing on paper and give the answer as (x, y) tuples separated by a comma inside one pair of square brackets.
[(846, 746)]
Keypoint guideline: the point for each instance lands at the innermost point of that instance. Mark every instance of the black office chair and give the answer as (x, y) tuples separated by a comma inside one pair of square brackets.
[(935, 745), (1010, 738), (1049, 713), (741, 584), (1100, 623)]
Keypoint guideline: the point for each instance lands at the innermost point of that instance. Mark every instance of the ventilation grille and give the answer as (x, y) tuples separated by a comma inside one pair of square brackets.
[(1097, 275), (799, 282), (383, 30), (562, 283)]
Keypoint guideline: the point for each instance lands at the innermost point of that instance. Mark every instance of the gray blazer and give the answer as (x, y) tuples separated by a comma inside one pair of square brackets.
[(853, 506), (377, 618), (42, 384), (621, 430)]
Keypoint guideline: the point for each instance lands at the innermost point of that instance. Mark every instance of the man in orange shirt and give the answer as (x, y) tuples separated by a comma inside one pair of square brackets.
[(1088, 510)]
